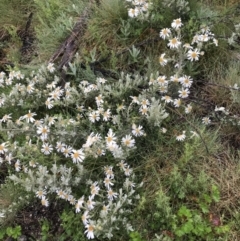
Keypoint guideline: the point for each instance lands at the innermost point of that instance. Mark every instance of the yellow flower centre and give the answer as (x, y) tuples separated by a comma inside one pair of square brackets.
[(127, 142), (76, 155), (29, 87), (44, 130), (109, 172), (178, 22), (90, 228), (174, 41), (165, 32), (40, 193), (167, 97), (194, 55), (161, 80)]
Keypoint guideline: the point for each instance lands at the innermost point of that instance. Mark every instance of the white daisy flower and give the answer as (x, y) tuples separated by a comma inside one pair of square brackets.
[(41, 193), (77, 156), (2, 75), (111, 138), (51, 67), (181, 137), (165, 33), (128, 141), (30, 88), (6, 118), (164, 130), (145, 102), (46, 148), (43, 131), (90, 203), (89, 231), (49, 103), (61, 194), (163, 89), (44, 201), (186, 81), (94, 189), (17, 165), (143, 110), (3, 148), (137, 131), (174, 43), (151, 81), (101, 80), (193, 55), (79, 204), (56, 94), (215, 41), (106, 115), (111, 194), (99, 100), (177, 102), (2, 101), (166, 99), (135, 99), (107, 182), (162, 61), (177, 23), (100, 152), (206, 120), (85, 217), (133, 12), (183, 93), (29, 117), (161, 80), (187, 46), (60, 146), (188, 109), (128, 171), (94, 116), (108, 171), (66, 150)]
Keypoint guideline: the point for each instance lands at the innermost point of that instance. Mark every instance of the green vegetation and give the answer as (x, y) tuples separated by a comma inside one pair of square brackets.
[(129, 131)]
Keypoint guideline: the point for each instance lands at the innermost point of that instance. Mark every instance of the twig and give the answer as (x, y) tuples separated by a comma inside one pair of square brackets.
[(27, 41), (70, 46)]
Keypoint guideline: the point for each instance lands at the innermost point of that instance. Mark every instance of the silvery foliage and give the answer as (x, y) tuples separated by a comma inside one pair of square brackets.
[(182, 6), (233, 40)]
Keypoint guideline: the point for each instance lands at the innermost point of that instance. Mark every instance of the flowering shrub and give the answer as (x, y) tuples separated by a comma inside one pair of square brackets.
[(72, 140)]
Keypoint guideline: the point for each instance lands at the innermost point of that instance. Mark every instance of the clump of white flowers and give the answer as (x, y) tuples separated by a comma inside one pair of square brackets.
[(139, 8), (185, 52), (81, 123)]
